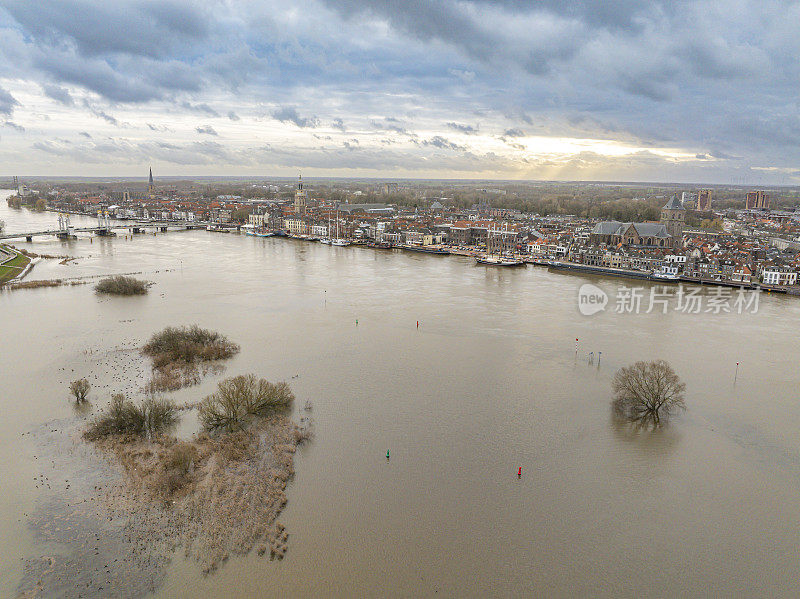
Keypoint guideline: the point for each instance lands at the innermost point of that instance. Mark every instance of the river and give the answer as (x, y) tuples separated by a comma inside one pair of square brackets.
[(488, 382)]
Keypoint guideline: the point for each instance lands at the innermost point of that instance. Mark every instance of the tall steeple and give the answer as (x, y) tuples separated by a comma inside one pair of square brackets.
[(151, 188)]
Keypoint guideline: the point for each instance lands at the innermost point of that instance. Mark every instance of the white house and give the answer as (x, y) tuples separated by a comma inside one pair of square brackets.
[(779, 275), (319, 230)]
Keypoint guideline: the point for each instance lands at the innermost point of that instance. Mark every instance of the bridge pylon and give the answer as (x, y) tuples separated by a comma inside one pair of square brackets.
[(65, 229)]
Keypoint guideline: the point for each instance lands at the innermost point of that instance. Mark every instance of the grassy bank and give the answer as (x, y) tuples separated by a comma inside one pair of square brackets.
[(13, 267)]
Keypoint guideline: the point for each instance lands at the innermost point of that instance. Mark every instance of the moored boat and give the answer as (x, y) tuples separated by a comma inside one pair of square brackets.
[(426, 249), (499, 261), (665, 276)]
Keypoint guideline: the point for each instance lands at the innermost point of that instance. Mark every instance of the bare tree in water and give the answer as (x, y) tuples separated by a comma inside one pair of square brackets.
[(80, 389), (648, 392)]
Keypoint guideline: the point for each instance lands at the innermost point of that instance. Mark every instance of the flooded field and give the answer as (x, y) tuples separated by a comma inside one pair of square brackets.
[(489, 382)]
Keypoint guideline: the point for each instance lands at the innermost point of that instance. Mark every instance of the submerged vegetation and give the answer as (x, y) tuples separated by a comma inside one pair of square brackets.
[(124, 417), (121, 285), (647, 392), (216, 494), (181, 356), (188, 345), (44, 283), (239, 399)]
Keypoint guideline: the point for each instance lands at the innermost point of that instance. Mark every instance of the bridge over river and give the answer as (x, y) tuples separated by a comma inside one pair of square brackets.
[(105, 228)]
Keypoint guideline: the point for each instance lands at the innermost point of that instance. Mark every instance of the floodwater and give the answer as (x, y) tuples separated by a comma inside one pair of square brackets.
[(489, 382)]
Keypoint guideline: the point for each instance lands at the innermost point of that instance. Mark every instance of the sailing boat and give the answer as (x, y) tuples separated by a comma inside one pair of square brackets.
[(497, 259), (338, 240)]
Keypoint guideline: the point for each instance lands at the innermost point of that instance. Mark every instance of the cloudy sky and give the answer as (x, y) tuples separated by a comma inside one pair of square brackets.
[(658, 90)]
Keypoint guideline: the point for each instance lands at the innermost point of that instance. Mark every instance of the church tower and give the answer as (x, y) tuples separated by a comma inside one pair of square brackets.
[(673, 217), (151, 188), (300, 198)]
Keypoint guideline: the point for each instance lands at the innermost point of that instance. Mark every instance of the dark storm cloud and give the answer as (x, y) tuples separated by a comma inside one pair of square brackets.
[(96, 27), (59, 94), (453, 22), (712, 78), (423, 19), (138, 82), (287, 114)]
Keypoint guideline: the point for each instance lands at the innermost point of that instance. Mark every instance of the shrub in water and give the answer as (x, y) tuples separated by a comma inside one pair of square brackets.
[(121, 285), (80, 389), (122, 416), (188, 345), (240, 398)]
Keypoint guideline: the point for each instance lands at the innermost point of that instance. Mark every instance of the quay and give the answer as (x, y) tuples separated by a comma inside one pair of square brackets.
[(643, 275), (599, 270)]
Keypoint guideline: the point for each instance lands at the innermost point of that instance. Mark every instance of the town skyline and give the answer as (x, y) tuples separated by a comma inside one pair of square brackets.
[(644, 91)]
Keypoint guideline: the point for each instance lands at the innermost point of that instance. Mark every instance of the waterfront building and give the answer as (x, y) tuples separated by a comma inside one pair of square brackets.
[(779, 275), (256, 220), (296, 225)]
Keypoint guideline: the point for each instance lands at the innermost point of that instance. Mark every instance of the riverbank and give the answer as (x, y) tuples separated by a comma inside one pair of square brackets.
[(13, 264)]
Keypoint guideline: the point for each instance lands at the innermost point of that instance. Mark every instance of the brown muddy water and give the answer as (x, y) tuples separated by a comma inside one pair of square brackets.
[(489, 382)]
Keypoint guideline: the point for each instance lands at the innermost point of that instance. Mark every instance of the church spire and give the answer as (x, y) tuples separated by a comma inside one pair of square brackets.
[(151, 176)]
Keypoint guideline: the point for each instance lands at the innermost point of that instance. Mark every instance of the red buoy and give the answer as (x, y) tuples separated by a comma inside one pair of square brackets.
[(519, 474)]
